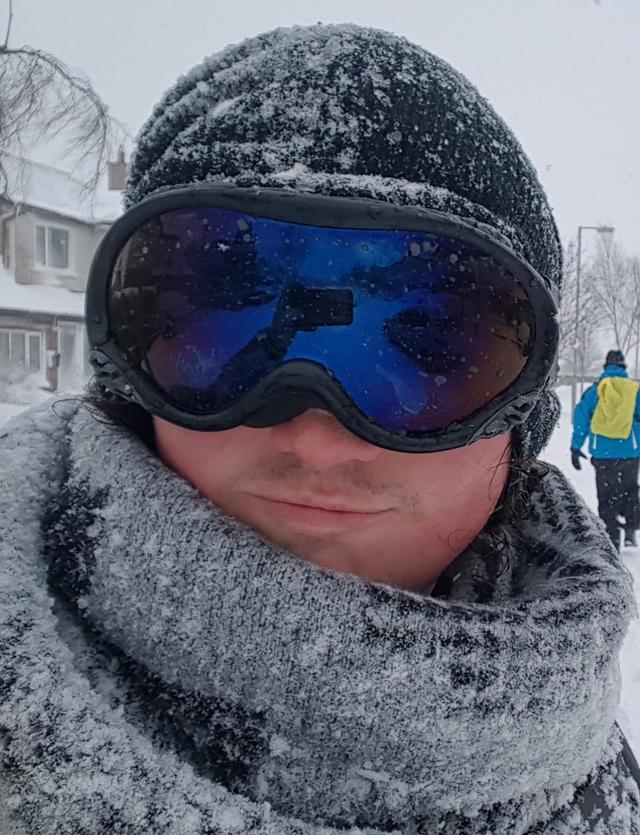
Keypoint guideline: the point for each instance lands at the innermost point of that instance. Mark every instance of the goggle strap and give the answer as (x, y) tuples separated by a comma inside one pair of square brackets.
[(512, 414)]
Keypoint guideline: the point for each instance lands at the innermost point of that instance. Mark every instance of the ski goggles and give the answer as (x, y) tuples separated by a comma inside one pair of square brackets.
[(218, 306)]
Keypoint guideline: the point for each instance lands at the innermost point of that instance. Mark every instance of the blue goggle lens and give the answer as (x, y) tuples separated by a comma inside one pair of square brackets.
[(419, 330)]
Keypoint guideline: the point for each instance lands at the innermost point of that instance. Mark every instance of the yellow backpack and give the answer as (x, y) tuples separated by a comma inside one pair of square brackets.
[(613, 416)]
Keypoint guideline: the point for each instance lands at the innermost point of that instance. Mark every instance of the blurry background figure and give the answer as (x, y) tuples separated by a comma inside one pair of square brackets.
[(609, 413)]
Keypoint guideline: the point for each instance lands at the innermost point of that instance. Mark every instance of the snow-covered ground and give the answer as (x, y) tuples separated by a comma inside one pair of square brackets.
[(8, 410), (584, 481)]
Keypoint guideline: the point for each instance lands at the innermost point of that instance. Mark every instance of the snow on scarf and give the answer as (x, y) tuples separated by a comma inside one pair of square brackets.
[(164, 670)]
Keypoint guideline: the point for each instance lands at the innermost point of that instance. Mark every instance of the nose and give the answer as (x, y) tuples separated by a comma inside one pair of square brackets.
[(317, 438)]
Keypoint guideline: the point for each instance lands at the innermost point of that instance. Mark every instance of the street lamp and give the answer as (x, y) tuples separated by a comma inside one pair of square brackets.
[(602, 230)]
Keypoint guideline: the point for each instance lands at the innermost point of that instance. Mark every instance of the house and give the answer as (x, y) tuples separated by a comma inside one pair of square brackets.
[(50, 228)]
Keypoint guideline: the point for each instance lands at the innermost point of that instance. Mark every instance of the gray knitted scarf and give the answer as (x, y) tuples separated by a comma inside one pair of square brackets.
[(164, 670)]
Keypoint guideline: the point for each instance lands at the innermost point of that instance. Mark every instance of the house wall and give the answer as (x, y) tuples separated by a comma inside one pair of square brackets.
[(43, 324), (57, 359), (61, 337), (63, 340), (83, 240)]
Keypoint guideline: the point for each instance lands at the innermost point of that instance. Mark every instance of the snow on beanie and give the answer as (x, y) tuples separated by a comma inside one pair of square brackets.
[(346, 110)]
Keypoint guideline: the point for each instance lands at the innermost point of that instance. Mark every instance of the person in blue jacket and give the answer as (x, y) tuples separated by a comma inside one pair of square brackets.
[(609, 413)]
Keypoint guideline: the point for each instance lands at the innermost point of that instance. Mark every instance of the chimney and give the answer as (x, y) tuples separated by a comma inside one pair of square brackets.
[(118, 172)]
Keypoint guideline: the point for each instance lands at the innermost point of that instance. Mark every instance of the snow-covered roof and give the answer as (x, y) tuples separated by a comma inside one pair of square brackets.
[(38, 298), (51, 189)]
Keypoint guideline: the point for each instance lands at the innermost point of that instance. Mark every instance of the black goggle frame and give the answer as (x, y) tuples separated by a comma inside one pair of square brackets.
[(300, 385)]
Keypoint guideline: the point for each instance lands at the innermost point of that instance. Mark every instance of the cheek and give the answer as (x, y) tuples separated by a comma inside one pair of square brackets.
[(208, 460), (461, 490), (468, 480), (486, 465)]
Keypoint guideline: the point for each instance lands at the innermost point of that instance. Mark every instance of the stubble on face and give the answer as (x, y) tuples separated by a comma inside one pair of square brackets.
[(393, 518)]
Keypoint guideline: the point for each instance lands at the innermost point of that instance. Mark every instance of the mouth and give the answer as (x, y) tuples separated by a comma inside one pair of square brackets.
[(318, 517)]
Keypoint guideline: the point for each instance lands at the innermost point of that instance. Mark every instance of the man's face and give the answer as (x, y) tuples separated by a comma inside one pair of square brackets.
[(313, 488)]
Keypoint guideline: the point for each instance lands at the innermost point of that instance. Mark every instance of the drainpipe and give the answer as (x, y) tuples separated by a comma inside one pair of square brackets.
[(3, 220)]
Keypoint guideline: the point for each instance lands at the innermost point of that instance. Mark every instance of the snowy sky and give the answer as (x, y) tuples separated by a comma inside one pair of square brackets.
[(565, 74)]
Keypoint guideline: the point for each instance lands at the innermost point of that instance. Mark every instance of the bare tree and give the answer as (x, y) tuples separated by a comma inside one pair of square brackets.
[(42, 99), (634, 269), (614, 278)]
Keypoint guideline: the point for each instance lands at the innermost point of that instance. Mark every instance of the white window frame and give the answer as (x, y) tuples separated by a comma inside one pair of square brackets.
[(27, 348), (47, 266)]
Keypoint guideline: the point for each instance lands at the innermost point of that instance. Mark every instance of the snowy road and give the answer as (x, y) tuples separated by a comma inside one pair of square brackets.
[(8, 410), (584, 481)]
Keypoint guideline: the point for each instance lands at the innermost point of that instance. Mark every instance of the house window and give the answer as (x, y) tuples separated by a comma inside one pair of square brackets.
[(21, 348), (52, 247)]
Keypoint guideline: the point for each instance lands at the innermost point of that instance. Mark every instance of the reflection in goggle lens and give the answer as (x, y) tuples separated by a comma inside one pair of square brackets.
[(419, 330)]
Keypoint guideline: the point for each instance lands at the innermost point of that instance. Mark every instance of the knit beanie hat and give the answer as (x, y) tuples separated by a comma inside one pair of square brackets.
[(346, 110), (615, 357)]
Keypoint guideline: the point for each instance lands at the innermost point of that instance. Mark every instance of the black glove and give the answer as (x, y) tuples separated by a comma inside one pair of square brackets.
[(576, 455)]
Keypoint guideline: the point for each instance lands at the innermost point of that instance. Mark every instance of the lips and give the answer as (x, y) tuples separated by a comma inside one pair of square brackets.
[(312, 515), (317, 504)]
